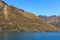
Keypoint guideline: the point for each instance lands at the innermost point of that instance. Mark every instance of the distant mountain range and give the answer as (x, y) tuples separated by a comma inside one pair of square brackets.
[(13, 19), (54, 20)]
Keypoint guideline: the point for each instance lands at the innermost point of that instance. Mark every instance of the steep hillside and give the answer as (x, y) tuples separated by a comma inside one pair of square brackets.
[(54, 20), (13, 19)]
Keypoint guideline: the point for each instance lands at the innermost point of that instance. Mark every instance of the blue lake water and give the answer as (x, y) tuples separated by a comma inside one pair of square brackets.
[(30, 36)]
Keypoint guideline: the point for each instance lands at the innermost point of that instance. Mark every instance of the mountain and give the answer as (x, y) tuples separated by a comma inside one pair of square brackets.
[(54, 20), (13, 19)]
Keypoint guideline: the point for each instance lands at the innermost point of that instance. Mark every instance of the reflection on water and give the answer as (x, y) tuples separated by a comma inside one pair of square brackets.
[(30, 36)]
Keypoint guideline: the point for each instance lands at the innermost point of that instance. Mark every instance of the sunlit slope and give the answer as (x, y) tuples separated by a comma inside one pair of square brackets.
[(13, 19)]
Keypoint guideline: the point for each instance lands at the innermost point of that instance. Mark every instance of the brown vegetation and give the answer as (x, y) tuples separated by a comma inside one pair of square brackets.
[(21, 21)]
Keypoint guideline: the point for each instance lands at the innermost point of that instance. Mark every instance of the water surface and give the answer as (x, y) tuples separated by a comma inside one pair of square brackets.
[(30, 36)]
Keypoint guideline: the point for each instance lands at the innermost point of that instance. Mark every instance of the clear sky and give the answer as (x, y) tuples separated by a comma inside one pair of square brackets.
[(38, 7)]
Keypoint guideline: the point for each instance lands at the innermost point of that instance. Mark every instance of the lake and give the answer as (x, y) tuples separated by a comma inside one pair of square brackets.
[(30, 36)]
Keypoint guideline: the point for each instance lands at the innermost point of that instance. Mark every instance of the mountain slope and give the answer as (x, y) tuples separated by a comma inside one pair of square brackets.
[(13, 19), (54, 20)]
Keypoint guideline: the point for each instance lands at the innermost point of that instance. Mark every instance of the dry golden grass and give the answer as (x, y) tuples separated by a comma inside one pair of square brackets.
[(21, 21)]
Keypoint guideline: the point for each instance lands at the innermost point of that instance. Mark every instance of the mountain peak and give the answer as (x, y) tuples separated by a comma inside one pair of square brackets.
[(2, 3), (14, 19)]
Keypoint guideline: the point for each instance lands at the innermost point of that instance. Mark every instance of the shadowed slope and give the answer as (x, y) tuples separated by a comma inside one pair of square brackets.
[(54, 20)]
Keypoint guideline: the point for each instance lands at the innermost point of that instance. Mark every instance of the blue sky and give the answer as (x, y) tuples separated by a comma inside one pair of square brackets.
[(38, 7)]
